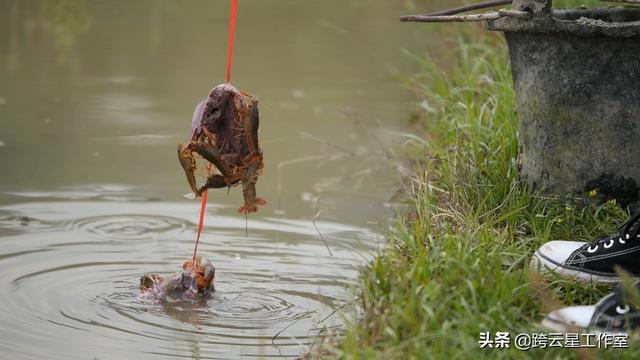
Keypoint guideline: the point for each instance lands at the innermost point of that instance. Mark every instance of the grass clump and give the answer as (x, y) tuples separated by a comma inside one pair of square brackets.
[(458, 263)]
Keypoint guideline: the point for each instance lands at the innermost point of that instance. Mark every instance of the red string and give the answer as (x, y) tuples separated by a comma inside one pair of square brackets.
[(203, 205), (232, 31)]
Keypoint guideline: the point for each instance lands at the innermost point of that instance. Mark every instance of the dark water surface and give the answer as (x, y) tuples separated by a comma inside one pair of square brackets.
[(94, 96)]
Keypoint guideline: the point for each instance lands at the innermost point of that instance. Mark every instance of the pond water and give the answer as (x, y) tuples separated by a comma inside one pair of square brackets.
[(94, 96)]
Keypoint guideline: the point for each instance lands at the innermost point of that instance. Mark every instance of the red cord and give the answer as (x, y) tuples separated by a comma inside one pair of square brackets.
[(232, 31), (203, 205)]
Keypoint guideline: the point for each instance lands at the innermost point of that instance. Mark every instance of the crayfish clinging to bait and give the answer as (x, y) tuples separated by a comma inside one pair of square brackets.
[(224, 131)]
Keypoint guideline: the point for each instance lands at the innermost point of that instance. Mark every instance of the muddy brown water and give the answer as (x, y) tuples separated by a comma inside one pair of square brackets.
[(94, 96)]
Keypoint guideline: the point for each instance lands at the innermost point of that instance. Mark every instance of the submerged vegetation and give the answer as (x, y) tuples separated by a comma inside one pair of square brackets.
[(457, 263)]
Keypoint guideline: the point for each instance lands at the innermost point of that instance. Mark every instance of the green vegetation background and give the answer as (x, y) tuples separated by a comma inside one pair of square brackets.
[(457, 263)]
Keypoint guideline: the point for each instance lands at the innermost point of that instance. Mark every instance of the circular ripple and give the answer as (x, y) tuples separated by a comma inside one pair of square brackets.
[(131, 227), (99, 299), (251, 308), (70, 287), (12, 224)]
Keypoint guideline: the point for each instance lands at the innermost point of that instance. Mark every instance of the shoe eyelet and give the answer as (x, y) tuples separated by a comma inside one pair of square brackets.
[(609, 244), (624, 310), (592, 250), (622, 241), (627, 237)]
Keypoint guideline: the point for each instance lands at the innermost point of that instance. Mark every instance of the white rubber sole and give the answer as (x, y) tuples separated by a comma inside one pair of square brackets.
[(559, 327), (541, 264), (565, 328)]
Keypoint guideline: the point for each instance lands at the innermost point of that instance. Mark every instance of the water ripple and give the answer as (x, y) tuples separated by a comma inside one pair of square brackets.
[(130, 227), (76, 277)]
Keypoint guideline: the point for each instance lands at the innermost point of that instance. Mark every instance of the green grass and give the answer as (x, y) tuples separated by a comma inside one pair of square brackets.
[(457, 263)]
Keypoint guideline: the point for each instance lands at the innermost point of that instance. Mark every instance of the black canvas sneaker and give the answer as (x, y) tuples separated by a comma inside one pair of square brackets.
[(593, 261), (613, 313)]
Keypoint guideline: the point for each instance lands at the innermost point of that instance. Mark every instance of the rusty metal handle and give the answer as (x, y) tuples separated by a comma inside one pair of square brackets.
[(470, 7), (492, 3), (523, 9), (494, 15)]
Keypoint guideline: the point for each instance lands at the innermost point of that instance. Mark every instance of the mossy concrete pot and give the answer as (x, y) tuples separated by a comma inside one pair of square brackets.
[(577, 80)]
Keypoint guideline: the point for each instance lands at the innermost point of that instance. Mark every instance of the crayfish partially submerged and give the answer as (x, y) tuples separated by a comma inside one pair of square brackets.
[(224, 131), (195, 279)]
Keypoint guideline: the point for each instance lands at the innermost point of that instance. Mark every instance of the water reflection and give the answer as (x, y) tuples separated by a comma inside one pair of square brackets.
[(58, 23)]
